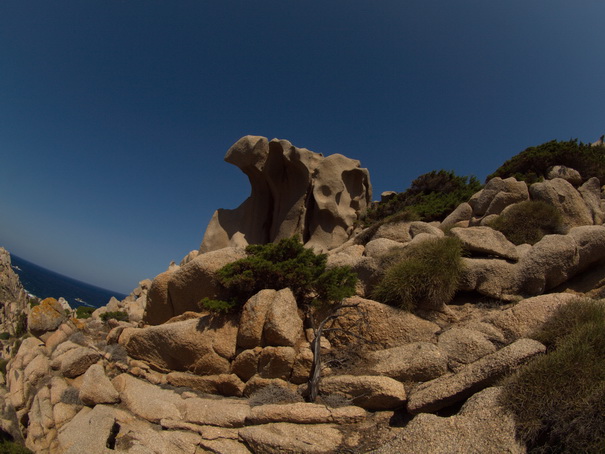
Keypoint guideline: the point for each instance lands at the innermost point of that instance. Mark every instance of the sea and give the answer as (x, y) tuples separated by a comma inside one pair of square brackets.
[(44, 283)]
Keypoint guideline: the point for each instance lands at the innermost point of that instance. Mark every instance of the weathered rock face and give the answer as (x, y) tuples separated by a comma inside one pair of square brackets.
[(46, 317), (568, 174), (13, 299), (497, 195), (561, 194), (294, 192), (180, 288), (541, 267), (482, 425), (204, 345), (134, 304)]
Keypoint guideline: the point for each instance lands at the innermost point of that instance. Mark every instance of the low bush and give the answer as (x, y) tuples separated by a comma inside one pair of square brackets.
[(431, 197), (120, 316), (274, 394), (117, 352), (532, 164), (3, 363), (426, 277), (79, 338), (558, 400), (527, 222), (21, 325), (84, 311), (4, 335), (10, 447), (71, 396)]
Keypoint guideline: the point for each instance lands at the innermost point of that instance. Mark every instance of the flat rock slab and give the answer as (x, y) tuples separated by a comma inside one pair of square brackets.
[(76, 361), (216, 412), (525, 317), (89, 430), (485, 240), (148, 401), (223, 384), (96, 388), (305, 413), (417, 361), (369, 392), (481, 427), (449, 389), (279, 438)]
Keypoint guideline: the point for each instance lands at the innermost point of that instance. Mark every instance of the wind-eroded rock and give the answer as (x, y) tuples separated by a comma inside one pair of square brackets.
[(294, 192)]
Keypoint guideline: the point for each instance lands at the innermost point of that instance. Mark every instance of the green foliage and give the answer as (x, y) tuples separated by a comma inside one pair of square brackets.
[(120, 316), (10, 447), (21, 325), (431, 196), (4, 335), (217, 306), (427, 275), (531, 165), (3, 363), (529, 221), (84, 311), (33, 302), (559, 399), (286, 264)]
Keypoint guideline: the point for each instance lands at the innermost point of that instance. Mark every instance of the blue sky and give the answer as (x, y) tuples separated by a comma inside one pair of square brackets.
[(115, 115)]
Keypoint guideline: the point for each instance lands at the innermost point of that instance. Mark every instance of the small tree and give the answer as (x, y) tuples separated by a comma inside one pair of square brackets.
[(288, 264)]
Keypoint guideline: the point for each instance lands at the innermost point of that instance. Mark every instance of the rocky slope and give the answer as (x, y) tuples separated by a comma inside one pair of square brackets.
[(12, 297), (176, 379)]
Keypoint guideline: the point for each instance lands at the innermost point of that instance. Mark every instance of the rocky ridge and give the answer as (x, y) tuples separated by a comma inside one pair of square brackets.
[(174, 379)]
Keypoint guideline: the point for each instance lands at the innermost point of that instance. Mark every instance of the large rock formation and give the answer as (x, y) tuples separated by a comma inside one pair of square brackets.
[(294, 191), (13, 299)]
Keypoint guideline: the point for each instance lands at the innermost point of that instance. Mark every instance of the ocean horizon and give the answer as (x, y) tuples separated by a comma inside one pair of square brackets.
[(43, 283)]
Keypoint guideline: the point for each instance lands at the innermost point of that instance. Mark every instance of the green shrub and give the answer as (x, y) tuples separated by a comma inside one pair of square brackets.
[(427, 276), (529, 221), (33, 302), (120, 316), (558, 400), (3, 363), (4, 336), (286, 264), (431, 197), (10, 447), (531, 165), (21, 325), (217, 306), (84, 311)]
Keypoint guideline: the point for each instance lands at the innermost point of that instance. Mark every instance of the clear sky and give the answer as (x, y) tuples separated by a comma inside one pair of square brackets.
[(115, 115)]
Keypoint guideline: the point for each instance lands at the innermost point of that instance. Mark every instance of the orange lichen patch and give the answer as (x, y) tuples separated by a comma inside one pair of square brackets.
[(49, 307), (48, 301), (79, 324)]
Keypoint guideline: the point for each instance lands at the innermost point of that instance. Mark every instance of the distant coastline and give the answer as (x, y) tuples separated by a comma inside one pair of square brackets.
[(42, 283)]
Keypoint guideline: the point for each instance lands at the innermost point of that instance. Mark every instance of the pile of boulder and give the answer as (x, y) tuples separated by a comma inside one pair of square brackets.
[(175, 378)]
